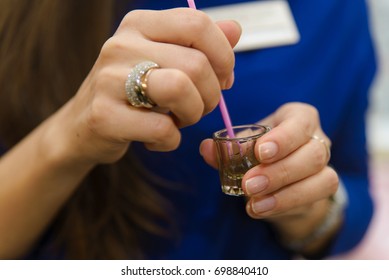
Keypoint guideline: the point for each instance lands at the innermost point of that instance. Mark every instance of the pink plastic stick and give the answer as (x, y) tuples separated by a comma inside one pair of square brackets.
[(222, 103), (226, 117), (192, 4)]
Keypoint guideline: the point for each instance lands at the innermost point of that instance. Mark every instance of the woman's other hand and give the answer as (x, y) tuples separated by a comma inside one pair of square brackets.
[(291, 186)]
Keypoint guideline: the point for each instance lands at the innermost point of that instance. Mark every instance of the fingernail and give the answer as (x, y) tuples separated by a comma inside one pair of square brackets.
[(264, 205), (267, 150), (256, 184)]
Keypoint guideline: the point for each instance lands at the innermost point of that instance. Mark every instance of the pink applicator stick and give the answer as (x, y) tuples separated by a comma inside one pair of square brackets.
[(222, 103), (226, 117), (192, 4)]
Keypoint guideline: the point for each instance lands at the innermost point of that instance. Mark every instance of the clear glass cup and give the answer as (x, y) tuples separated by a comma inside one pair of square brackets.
[(236, 155)]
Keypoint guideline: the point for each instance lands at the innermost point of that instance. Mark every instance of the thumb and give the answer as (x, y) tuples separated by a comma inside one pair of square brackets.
[(208, 152)]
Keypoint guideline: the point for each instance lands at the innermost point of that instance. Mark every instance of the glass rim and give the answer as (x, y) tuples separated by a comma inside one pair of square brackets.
[(264, 128)]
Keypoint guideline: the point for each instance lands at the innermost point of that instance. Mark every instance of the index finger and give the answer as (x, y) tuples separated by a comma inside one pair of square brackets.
[(189, 28), (293, 126)]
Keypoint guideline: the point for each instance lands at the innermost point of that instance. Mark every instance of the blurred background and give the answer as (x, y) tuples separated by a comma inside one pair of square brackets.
[(379, 114), (376, 243)]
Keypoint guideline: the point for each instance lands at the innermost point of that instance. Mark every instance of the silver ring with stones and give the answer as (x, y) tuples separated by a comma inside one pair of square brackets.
[(136, 85)]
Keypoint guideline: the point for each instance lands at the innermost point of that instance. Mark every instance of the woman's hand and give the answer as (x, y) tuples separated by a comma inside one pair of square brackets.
[(196, 62), (98, 123), (291, 186), (294, 173)]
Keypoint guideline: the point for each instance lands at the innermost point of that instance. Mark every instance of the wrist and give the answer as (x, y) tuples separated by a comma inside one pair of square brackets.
[(318, 238), (58, 145)]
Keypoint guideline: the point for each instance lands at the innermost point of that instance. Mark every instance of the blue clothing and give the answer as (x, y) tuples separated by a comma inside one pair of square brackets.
[(331, 68)]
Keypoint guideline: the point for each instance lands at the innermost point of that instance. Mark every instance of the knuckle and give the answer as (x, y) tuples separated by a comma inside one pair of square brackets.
[(307, 116), (312, 114), (111, 46), (299, 106), (307, 126), (199, 66), (179, 79), (179, 87), (179, 92), (310, 109), (284, 174), (104, 81), (197, 22), (132, 17)]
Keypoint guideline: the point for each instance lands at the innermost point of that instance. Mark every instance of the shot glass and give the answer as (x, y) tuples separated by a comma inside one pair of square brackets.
[(236, 155)]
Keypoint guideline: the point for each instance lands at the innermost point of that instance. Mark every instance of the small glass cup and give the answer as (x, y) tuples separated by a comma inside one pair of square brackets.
[(236, 155)]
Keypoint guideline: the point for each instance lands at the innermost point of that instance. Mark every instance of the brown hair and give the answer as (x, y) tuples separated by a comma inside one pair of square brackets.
[(47, 48)]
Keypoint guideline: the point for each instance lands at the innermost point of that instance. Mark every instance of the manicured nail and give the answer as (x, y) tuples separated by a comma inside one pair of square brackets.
[(263, 205), (267, 150), (256, 184)]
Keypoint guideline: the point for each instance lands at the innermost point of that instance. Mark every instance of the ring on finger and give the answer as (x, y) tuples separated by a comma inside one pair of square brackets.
[(136, 84), (321, 140)]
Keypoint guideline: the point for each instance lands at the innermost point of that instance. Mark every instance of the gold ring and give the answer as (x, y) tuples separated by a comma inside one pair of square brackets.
[(136, 84), (321, 140)]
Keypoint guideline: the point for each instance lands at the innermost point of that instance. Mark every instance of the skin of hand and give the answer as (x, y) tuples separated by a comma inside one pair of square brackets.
[(196, 60), (291, 186), (98, 124)]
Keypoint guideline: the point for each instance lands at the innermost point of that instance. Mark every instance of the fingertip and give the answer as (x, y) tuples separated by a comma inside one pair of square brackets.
[(207, 151), (232, 29), (267, 151), (230, 81), (204, 147), (201, 147)]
